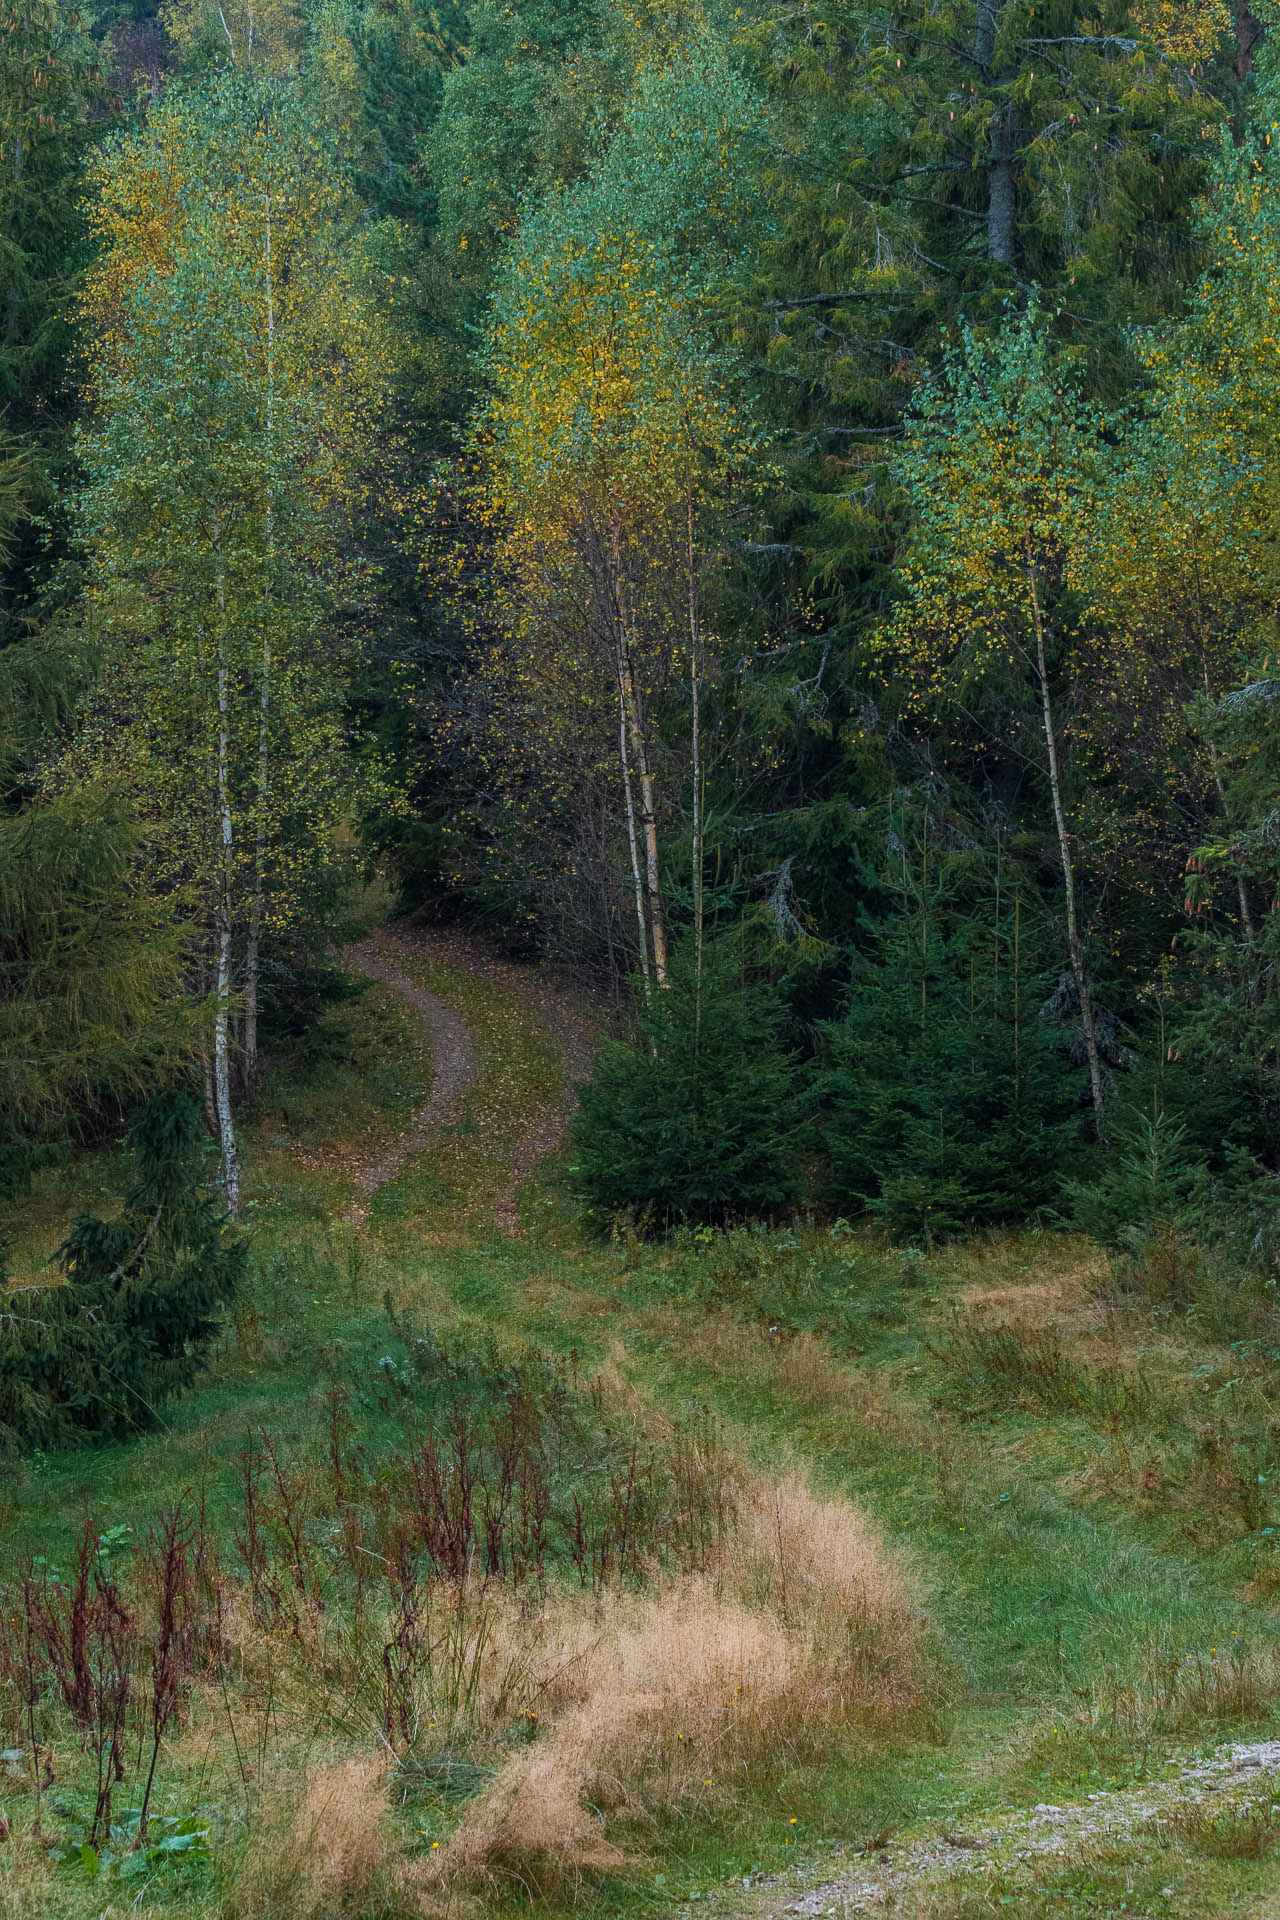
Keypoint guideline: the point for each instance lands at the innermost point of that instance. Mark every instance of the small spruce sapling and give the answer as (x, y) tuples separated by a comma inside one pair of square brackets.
[(698, 1118)]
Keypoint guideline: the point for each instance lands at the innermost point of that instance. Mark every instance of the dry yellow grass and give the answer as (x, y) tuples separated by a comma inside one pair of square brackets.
[(322, 1850), (800, 1368), (686, 1691)]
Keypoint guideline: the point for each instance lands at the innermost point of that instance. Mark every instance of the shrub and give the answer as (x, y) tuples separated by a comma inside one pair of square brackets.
[(1147, 1183), (143, 1297), (939, 1111), (698, 1118)]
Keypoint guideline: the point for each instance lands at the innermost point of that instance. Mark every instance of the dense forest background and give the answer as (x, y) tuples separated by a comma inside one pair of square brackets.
[(771, 507)]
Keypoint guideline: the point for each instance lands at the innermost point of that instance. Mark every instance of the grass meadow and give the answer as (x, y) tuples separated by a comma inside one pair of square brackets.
[(482, 1574)]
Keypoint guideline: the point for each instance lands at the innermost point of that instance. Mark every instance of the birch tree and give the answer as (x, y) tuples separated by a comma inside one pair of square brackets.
[(233, 383), (617, 432), (266, 34), (999, 455)]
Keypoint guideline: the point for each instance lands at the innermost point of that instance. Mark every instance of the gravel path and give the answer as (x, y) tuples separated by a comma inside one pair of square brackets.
[(454, 1058), (1241, 1779)]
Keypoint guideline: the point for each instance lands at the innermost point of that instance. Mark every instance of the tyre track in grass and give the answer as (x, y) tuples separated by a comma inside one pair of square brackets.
[(452, 1068), (382, 958)]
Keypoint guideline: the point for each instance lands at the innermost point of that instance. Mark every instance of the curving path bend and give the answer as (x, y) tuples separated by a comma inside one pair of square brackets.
[(453, 1066), (454, 1057)]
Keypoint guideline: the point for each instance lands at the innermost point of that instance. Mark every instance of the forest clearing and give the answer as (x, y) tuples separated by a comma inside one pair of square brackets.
[(812, 1561)]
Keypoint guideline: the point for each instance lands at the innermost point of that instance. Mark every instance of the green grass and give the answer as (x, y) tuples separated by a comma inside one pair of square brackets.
[(1086, 1638)]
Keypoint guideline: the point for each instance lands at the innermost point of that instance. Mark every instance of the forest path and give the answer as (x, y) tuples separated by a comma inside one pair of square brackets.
[(384, 957), (1236, 1785), (453, 1064)]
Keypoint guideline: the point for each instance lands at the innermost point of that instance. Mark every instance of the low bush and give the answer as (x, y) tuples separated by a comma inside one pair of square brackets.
[(1146, 1184)]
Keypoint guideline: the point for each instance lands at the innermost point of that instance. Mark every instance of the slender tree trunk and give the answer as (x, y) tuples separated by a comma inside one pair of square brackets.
[(210, 1097), (253, 937), (1074, 946), (1017, 1000), (253, 943), (648, 815), (642, 925), (223, 925), (638, 756), (1242, 891), (695, 694), (203, 977)]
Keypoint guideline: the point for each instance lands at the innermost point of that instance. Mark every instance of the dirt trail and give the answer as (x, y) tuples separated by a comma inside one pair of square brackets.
[(454, 1059), (453, 1065), (1239, 1779)]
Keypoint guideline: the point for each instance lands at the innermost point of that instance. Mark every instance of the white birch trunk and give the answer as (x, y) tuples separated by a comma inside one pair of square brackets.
[(648, 815), (230, 1152), (1074, 946), (253, 941), (642, 925), (695, 694)]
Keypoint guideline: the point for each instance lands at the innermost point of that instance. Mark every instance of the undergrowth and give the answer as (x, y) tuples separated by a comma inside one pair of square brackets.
[(509, 1631)]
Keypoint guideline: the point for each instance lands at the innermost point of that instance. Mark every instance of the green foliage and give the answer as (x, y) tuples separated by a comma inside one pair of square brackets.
[(235, 382), (792, 340), (1187, 1151), (618, 443), (698, 1118), (48, 82), (143, 1297), (949, 1101), (998, 460), (404, 50), (1146, 1183), (501, 121), (91, 1010), (602, 353)]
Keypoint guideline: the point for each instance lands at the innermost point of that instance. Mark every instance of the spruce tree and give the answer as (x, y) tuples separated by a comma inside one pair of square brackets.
[(144, 1294), (48, 81), (699, 1118)]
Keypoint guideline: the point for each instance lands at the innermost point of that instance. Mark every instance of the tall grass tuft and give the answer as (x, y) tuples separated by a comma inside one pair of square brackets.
[(683, 1694)]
